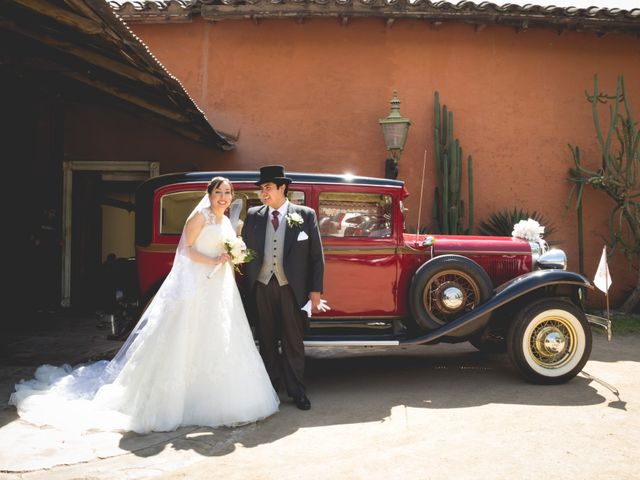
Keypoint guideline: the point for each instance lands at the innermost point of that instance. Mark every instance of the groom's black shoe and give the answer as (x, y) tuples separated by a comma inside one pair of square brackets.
[(302, 402)]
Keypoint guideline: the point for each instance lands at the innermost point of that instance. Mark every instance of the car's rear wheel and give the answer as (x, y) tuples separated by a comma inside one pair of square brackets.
[(445, 288), (550, 341)]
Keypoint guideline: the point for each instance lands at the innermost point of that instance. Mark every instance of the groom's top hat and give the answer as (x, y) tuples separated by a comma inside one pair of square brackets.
[(274, 174)]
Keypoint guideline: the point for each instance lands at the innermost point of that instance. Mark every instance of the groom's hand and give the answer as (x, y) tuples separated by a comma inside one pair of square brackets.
[(315, 300)]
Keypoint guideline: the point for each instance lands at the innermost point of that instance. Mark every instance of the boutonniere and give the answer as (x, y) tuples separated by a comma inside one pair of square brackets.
[(294, 220)]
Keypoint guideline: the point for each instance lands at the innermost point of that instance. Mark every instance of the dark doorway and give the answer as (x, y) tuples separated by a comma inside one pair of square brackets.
[(86, 235)]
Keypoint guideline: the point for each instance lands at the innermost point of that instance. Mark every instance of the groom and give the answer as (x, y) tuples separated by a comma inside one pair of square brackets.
[(286, 273)]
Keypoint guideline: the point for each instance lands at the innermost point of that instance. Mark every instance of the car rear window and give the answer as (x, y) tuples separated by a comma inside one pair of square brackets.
[(350, 214)]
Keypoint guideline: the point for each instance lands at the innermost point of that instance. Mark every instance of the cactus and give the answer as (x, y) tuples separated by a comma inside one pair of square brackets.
[(448, 207), (618, 177)]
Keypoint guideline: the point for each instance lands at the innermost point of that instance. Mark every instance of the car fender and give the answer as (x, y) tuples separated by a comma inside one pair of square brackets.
[(506, 293)]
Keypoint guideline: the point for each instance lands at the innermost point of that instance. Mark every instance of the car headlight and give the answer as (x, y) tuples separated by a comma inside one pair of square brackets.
[(536, 251), (554, 259)]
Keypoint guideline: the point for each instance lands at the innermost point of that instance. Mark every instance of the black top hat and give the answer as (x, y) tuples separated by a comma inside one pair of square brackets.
[(274, 174)]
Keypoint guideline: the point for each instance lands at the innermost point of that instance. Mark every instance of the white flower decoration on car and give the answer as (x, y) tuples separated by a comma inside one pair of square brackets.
[(528, 229), (294, 220)]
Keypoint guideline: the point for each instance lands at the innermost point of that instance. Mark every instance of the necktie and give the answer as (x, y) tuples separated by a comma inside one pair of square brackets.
[(275, 221)]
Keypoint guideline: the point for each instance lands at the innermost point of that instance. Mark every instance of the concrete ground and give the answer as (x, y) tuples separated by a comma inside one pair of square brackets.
[(444, 411)]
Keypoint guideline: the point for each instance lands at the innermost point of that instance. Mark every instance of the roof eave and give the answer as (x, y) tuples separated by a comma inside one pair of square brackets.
[(83, 43), (598, 21)]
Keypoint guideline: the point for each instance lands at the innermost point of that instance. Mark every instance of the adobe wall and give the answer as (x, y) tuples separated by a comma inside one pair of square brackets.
[(310, 95)]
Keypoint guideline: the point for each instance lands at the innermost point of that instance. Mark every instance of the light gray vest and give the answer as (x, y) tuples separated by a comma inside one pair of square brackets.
[(273, 253)]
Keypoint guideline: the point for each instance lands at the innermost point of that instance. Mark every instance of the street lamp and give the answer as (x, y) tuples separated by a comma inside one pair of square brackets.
[(394, 128)]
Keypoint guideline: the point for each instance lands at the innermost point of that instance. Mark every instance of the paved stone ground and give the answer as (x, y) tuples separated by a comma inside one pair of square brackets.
[(437, 412)]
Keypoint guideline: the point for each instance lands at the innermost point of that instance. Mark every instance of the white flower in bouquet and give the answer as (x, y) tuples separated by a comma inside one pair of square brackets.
[(528, 229), (238, 251)]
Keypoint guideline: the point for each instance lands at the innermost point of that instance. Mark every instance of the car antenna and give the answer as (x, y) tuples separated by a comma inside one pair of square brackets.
[(424, 163)]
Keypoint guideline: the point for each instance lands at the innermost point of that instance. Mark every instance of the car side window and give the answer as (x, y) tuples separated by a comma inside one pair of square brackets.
[(251, 198), (174, 209), (176, 206), (350, 214)]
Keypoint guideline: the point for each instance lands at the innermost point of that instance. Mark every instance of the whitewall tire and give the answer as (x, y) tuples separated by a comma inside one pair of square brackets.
[(550, 341)]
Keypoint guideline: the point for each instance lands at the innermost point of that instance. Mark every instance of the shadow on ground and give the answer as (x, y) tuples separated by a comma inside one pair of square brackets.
[(354, 386), (358, 386)]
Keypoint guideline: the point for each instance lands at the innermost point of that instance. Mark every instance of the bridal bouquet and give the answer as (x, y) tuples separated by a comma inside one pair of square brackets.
[(238, 251)]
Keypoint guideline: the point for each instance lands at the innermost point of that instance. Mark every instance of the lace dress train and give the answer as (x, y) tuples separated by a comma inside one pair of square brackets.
[(191, 360)]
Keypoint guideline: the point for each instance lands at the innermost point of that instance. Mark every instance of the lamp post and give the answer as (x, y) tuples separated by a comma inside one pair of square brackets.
[(394, 128)]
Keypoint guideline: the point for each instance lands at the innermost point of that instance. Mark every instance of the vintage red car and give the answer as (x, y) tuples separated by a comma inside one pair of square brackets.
[(389, 287)]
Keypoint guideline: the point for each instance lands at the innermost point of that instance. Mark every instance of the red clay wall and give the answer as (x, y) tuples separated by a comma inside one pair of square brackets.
[(310, 95)]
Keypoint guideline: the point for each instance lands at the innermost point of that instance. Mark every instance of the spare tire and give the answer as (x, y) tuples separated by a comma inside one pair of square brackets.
[(445, 288)]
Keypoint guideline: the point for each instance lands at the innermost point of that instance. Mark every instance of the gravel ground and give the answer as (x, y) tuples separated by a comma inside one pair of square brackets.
[(444, 411)]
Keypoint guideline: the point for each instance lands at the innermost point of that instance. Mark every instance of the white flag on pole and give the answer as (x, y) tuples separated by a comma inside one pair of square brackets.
[(602, 279)]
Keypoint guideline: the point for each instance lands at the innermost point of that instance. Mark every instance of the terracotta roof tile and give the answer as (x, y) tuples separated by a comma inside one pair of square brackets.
[(593, 19)]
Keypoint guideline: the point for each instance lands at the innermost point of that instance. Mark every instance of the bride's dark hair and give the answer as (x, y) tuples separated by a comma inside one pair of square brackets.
[(216, 182)]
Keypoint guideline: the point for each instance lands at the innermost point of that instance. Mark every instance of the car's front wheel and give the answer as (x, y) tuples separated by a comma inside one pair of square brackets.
[(549, 341)]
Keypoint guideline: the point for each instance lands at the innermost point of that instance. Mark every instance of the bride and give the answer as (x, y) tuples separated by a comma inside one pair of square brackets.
[(191, 359)]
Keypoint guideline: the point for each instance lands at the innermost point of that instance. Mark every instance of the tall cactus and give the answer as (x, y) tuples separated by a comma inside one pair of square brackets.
[(448, 206), (618, 176)]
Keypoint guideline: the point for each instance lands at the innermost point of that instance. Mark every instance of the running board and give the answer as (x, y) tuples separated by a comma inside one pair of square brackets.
[(351, 343)]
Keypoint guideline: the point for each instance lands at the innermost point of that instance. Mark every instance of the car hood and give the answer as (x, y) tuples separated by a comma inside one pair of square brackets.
[(465, 244)]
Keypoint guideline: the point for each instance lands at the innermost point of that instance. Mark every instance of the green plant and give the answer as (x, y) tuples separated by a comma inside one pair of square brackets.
[(617, 177), (623, 323), (501, 223), (448, 206)]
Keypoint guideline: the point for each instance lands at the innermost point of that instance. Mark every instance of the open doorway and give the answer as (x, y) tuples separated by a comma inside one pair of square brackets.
[(98, 223)]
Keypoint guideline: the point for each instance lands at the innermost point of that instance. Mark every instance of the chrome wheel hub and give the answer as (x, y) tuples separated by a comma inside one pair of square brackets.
[(449, 294), (452, 297), (552, 343)]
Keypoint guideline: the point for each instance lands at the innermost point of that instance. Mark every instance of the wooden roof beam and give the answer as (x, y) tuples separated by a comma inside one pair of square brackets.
[(129, 98), (48, 9), (42, 64), (84, 54)]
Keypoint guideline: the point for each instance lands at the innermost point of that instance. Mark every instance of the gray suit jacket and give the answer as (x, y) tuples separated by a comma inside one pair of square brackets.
[(303, 260)]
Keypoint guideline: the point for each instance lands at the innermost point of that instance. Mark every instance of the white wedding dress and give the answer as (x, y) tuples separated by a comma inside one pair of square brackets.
[(191, 360)]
